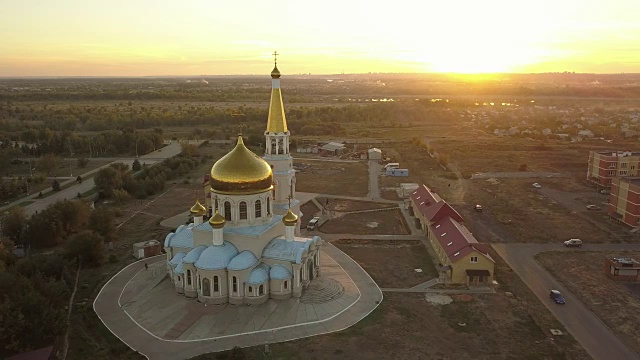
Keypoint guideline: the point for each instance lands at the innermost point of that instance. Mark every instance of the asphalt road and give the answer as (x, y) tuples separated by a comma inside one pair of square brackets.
[(72, 191), (594, 335)]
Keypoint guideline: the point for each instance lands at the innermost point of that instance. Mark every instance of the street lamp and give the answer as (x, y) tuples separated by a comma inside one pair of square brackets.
[(137, 147)]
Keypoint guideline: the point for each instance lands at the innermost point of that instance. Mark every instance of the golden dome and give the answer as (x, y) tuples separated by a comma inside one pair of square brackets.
[(275, 73), (217, 221), (290, 219), (198, 209), (241, 172)]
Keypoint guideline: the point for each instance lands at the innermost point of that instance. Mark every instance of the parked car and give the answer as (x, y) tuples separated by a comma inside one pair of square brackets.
[(573, 243), (557, 297), (593, 207), (478, 208), (313, 223), (536, 185)]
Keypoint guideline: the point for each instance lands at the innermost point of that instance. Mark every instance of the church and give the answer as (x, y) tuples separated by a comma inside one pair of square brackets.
[(250, 249)]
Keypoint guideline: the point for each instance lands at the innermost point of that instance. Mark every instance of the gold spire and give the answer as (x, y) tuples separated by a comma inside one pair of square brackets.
[(217, 221), (240, 172), (277, 122), (290, 219)]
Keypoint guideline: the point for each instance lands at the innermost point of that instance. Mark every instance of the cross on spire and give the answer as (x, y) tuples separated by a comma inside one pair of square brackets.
[(275, 57)]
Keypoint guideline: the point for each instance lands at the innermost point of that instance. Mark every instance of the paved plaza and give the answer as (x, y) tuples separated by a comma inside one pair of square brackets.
[(142, 309)]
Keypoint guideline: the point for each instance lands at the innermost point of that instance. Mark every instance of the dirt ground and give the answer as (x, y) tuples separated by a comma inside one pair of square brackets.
[(389, 264), (611, 301), (406, 326), (385, 222), (309, 210), (335, 178), (343, 205)]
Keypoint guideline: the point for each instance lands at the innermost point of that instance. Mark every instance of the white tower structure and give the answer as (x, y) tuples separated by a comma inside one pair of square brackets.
[(277, 152)]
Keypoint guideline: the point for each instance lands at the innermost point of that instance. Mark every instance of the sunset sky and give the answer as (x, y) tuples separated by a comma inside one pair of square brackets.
[(191, 37)]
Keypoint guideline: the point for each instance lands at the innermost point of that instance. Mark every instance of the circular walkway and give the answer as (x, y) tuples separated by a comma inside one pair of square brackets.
[(122, 324)]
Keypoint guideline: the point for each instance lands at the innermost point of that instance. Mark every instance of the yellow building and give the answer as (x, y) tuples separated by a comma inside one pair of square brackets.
[(462, 259)]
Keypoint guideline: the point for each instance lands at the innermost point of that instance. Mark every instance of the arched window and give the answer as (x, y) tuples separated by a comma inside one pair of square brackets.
[(216, 284), (199, 282), (273, 190), (206, 287), (243, 210), (286, 285), (178, 278), (188, 277), (261, 290), (234, 282), (250, 289), (227, 211), (268, 206), (258, 208)]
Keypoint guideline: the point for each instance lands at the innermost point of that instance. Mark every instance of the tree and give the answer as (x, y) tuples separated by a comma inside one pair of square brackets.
[(102, 221), (189, 150), (12, 223), (48, 163), (86, 246), (83, 162), (136, 165), (55, 185), (107, 180)]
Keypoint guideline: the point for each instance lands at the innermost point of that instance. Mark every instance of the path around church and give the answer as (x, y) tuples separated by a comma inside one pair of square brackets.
[(106, 305)]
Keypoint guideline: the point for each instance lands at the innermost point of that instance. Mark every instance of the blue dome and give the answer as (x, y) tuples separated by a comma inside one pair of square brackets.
[(183, 238), (177, 258), (217, 257), (259, 275), (279, 272), (167, 239), (243, 261), (193, 255), (179, 269)]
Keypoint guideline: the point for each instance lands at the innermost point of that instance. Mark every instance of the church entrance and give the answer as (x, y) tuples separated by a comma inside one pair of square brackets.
[(310, 270)]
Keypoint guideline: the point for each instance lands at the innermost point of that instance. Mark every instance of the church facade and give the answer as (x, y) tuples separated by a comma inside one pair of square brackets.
[(249, 249)]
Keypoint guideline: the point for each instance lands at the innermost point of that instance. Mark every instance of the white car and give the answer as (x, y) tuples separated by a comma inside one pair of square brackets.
[(312, 223), (573, 242), (537, 186)]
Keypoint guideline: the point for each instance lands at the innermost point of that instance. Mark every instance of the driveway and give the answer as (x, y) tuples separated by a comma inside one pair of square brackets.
[(594, 335)]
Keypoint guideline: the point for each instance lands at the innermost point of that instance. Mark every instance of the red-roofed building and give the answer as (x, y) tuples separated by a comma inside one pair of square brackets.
[(462, 259)]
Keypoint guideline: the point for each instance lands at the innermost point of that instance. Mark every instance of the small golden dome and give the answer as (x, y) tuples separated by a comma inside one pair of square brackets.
[(198, 209), (217, 221), (290, 219), (275, 73), (241, 172)]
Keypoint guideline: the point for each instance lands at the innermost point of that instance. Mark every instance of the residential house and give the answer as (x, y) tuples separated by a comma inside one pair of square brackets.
[(624, 200), (622, 269), (462, 259)]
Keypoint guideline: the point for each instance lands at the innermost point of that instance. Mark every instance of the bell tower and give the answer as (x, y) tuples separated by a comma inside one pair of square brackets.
[(277, 152)]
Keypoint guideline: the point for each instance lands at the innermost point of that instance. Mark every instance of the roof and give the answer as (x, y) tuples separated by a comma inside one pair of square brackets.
[(281, 249), (456, 240), (277, 121), (167, 238), (217, 257), (332, 146), (253, 230), (177, 258), (193, 255), (431, 206), (183, 237), (279, 272), (243, 261), (259, 275), (179, 269)]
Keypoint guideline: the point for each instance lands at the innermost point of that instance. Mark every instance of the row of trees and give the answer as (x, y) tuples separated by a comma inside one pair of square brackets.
[(116, 181)]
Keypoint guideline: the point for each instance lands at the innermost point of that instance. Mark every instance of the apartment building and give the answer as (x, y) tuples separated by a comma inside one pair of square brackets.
[(624, 200), (604, 166)]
